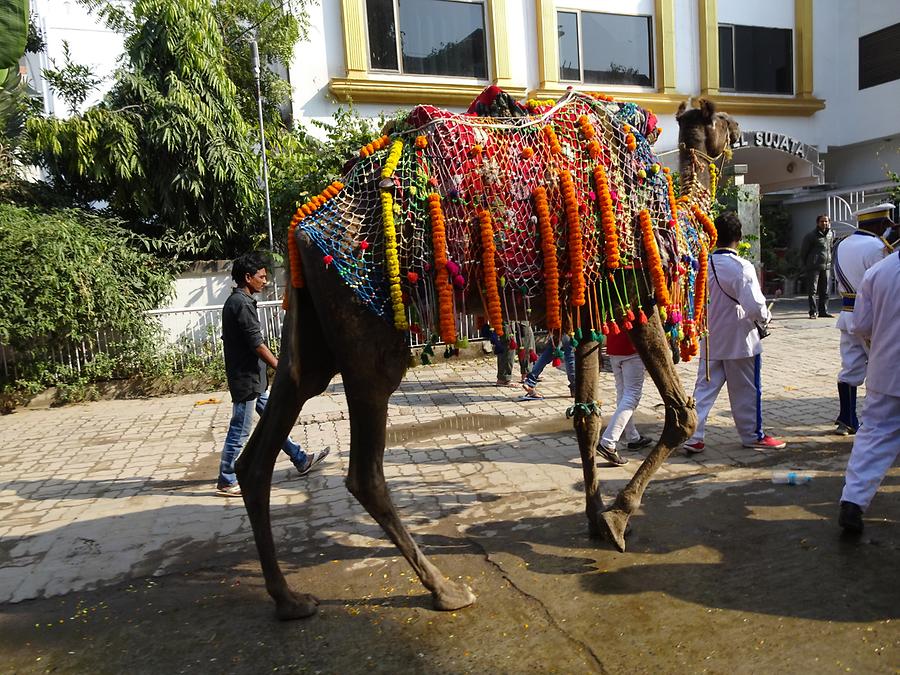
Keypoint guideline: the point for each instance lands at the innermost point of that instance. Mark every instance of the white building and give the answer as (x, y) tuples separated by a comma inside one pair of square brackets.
[(815, 84)]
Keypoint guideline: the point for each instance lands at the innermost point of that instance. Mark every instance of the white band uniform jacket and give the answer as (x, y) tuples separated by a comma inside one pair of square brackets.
[(877, 318), (854, 255), (732, 333)]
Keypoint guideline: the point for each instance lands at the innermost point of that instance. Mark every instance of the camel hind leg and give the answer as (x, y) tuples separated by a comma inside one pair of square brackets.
[(367, 404), (255, 466), (650, 342)]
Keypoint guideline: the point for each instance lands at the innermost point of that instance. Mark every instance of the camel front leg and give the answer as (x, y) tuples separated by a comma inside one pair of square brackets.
[(365, 480), (681, 420), (587, 422), (255, 466)]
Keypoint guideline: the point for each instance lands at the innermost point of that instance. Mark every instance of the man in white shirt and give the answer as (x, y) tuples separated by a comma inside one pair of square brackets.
[(876, 318), (737, 310), (854, 255)]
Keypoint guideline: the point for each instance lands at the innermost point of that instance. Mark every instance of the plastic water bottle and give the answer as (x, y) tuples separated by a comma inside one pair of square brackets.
[(792, 477)]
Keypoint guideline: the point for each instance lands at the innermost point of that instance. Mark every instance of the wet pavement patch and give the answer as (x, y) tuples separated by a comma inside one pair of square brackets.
[(447, 426)]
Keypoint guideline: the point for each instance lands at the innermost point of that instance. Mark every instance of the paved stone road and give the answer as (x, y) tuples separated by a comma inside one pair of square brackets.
[(95, 494)]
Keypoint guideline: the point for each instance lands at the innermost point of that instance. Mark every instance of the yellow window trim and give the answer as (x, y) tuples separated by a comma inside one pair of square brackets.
[(802, 104), (361, 87), (666, 97)]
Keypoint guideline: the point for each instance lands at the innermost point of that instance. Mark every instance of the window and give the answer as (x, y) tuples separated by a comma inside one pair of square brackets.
[(435, 37), (756, 60), (879, 57), (596, 48)]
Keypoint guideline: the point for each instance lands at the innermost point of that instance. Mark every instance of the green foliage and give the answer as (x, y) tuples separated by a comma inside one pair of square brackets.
[(894, 192), (277, 27), (302, 164), (13, 33), (73, 82), (69, 275), (168, 148), (17, 105)]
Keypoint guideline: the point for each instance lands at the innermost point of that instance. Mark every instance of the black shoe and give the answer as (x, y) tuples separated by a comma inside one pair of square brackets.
[(851, 518), (826, 315), (812, 316), (642, 442), (611, 456)]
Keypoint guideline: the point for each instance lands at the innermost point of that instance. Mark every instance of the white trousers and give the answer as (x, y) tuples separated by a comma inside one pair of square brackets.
[(744, 392), (854, 358), (629, 374), (875, 448)]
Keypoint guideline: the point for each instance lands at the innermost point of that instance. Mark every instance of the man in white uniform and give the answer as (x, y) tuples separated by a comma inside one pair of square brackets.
[(854, 255), (876, 318), (736, 308)]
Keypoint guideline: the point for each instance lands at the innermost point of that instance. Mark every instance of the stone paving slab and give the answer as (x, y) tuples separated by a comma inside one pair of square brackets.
[(100, 493)]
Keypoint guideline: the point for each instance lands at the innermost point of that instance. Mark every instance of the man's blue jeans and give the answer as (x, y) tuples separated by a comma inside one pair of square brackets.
[(547, 356), (239, 432)]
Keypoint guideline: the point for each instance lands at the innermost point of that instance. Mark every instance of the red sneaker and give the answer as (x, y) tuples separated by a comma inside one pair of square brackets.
[(767, 443), (694, 448)]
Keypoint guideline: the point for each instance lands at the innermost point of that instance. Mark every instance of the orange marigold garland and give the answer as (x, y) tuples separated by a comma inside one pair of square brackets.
[(607, 218), (552, 139), (441, 282), (654, 262), (630, 141), (302, 212), (489, 270), (573, 220), (586, 127), (374, 146), (548, 249), (707, 224), (700, 285)]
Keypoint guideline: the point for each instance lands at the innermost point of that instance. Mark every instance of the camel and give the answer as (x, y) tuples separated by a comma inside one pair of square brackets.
[(443, 217)]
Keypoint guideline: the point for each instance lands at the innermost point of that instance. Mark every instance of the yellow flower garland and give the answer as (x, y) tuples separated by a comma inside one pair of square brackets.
[(393, 159), (392, 260)]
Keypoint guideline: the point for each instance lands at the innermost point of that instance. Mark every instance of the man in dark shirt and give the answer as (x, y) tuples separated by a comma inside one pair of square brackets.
[(815, 253), (246, 358)]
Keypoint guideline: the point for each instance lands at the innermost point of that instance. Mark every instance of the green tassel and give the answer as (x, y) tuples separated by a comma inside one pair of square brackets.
[(574, 342), (577, 333), (425, 359), (462, 343), (429, 350)]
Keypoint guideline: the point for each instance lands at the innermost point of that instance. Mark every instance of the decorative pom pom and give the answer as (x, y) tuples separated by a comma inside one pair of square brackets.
[(413, 277), (532, 356), (459, 281), (513, 344), (363, 245), (557, 362), (327, 260), (642, 317)]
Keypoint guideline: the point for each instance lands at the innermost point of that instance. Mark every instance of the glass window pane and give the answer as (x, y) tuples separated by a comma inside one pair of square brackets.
[(763, 60), (569, 61), (443, 37), (617, 49), (726, 57), (382, 34)]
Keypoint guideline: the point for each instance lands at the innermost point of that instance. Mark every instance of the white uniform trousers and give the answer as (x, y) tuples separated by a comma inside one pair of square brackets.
[(629, 374), (875, 448), (854, 357), (744, 392)]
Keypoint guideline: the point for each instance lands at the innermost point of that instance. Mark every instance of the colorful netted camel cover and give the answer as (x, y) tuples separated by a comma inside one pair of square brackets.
[(563, 209)]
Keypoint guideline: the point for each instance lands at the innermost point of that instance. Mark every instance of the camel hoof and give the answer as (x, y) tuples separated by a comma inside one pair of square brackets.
[(296, 606), (616, 523), (454, 597)]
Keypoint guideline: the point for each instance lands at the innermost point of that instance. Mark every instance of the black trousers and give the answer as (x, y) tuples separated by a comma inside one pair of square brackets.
[(817, 285)]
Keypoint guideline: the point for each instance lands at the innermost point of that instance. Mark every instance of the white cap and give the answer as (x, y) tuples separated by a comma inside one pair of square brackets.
[(874, 212)]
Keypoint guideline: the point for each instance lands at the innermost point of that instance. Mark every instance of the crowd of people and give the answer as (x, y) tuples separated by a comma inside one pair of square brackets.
[(868, 279)]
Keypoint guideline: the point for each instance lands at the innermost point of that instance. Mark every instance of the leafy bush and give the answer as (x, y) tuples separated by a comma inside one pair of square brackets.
[(70, 276)]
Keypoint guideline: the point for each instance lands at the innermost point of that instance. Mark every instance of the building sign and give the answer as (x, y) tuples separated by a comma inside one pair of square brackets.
[(781, 142)]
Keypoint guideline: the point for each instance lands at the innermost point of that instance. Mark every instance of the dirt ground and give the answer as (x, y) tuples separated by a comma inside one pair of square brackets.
[(743, 577)]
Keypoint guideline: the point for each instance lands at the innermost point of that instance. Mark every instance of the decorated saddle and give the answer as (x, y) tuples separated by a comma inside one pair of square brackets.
[(562, 205)]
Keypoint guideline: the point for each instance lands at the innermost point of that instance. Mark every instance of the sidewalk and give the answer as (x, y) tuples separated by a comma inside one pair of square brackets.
[(111, 492)]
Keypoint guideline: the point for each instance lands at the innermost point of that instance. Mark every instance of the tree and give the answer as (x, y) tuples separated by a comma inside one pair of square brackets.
[(13, 34), (171, 147)]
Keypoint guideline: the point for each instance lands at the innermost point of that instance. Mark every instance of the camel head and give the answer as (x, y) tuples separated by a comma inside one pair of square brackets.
[(703, 130), (706, 129)]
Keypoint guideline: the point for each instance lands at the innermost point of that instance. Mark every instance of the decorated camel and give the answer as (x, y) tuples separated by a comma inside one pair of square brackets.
[(558, 214)]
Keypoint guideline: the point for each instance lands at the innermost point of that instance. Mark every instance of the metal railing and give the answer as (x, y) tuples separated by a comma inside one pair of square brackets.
[(190, 335)]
